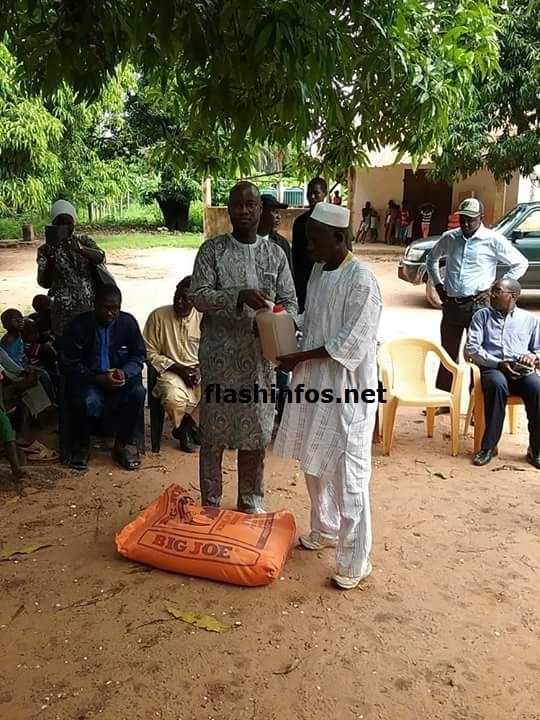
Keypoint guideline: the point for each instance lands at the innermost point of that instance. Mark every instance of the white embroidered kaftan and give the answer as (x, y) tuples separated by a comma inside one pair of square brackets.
[(343, 309)]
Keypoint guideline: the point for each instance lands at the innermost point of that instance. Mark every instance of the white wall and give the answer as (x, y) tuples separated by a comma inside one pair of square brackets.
[(378, 185), (527, 190)]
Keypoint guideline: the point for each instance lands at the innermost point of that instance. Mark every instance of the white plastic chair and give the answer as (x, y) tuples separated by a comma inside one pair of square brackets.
[(402, 366)]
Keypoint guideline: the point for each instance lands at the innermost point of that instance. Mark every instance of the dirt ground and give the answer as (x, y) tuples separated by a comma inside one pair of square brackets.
[(446, 628)]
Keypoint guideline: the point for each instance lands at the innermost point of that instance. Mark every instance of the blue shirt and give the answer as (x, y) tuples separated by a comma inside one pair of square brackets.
[(493, 338), (471, 263), (15, 350), (102, 363)]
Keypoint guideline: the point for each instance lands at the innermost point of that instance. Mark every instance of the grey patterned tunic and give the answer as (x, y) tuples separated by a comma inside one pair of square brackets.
[(229, 353)]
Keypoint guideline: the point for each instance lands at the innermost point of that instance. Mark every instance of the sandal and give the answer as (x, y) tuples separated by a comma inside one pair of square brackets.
[(38, 453), (126, 459)]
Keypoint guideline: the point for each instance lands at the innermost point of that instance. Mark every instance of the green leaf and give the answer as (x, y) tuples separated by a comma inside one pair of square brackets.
[(203, 622), (26, 550)]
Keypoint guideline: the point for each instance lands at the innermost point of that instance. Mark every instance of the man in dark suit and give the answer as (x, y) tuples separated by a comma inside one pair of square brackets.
[(102, 359), (302, 263)]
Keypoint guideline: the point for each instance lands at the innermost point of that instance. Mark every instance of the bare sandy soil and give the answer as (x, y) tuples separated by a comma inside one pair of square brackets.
[(446, 628)]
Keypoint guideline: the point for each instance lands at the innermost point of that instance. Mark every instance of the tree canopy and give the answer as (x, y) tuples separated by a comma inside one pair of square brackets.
[(348, 76), (501, 130), (56, 144)]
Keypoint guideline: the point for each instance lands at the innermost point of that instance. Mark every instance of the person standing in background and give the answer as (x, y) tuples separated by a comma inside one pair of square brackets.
[(65, 267), (302, 263), (405, 220), (426, 216), (392, 222), (269, 223)]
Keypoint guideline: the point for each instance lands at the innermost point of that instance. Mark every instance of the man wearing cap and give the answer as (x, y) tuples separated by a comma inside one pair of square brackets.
[(65, 268), (235, 275), (269, 223), (332, 440), (472, 253)]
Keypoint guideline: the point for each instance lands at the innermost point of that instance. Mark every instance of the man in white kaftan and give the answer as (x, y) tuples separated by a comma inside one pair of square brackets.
[(333, 440)]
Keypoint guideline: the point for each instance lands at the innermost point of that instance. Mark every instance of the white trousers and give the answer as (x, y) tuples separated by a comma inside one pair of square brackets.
[(345, 516)]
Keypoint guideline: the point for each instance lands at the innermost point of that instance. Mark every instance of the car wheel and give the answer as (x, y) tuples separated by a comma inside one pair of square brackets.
[(432, 296)]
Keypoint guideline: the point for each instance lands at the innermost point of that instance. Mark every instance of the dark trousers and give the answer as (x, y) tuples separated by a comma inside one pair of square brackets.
[(497, 387), (250, 477), (282, 382), (456, 318), (120, 409)]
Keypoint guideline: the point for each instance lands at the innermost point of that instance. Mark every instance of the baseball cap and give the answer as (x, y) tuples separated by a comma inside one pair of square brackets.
[(471, 207), (269, 201)]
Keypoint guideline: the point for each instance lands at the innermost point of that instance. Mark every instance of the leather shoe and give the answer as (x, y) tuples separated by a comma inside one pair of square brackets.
[(484, 456), (195, 433), (533, 458), (186, 441)]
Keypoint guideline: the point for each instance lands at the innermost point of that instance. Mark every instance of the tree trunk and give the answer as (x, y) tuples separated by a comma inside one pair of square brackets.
[(90, 213), (28, 233), (175, 214)]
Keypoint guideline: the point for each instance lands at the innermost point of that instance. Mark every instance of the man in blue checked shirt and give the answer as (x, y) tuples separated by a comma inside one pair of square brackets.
[(504, 341), (472, 253)]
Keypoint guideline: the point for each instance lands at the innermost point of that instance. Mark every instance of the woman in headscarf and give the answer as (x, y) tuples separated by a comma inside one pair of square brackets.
[(65, 267)]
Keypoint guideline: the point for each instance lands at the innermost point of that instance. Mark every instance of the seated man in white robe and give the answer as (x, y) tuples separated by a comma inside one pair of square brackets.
[(172, 334), (332, 440)]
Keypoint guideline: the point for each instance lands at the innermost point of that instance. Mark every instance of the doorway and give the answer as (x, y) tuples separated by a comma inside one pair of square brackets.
[(417, 190)]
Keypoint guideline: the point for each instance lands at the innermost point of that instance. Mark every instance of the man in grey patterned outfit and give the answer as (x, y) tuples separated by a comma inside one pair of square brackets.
[(234, 275)]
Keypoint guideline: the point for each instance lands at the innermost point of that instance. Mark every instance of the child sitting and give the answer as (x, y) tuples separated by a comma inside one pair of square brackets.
[(12, 342), (42, 317), (37, 350), (7, 438)]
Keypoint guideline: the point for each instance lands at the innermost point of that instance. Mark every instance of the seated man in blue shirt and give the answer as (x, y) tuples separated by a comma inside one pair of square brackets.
[(505, 342), (103, 354)]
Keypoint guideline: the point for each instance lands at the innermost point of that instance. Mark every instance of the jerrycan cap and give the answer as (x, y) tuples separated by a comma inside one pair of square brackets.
[(278, 308)]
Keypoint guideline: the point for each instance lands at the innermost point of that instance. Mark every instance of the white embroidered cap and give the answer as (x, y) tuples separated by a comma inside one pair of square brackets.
[(333, 215)]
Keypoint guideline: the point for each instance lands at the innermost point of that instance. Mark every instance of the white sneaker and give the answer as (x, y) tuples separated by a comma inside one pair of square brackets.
[(349, 583), (316, 541)]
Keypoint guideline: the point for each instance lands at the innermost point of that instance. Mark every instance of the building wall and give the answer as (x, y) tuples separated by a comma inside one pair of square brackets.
[(497, 197), (527, 190), (216, 221), (381, 184), (376, 184)]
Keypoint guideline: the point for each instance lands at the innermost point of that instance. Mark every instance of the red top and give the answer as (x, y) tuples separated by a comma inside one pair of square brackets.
[(278, 308)]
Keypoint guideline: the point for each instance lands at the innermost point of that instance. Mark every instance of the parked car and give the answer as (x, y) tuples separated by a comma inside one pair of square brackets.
[(521, 226)]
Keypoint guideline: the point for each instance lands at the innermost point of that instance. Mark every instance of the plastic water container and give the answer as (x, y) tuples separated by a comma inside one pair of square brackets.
[(277, 332)]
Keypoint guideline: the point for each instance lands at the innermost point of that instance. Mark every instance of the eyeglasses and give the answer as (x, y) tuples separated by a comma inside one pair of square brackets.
[(500, 291)]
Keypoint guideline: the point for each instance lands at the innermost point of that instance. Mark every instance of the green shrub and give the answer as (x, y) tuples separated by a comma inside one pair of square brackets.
[(196, 216)]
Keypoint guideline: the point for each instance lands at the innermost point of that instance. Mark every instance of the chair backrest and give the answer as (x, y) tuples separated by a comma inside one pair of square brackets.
[(405, 360)]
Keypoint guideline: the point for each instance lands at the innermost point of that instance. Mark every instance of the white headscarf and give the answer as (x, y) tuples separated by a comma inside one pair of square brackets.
[(63, 207)]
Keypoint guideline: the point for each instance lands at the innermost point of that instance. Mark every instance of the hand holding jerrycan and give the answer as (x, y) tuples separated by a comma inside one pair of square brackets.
[(277, 332)]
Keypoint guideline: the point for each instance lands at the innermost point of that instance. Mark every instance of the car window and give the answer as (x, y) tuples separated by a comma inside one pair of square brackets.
[(530, 224), (505, 224)]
